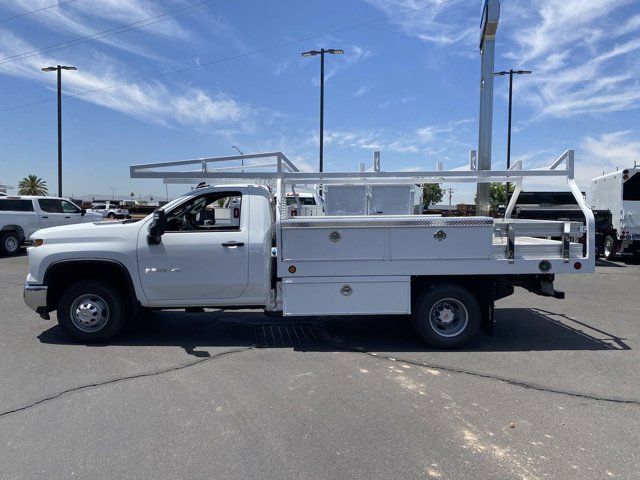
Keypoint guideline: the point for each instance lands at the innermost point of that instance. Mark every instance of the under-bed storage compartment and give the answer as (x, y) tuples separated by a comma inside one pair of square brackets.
[(347, 295)]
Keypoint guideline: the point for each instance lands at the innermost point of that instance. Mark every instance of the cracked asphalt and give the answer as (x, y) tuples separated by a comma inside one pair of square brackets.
[(555, 393)]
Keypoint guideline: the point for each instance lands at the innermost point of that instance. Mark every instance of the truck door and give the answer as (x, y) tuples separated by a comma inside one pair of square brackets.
[(51, 213), (71, 213), (202, 257)]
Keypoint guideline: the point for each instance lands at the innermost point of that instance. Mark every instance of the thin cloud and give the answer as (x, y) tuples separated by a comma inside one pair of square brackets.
[(150, 101)]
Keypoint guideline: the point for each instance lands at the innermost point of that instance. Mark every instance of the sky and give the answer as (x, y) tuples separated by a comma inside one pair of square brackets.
[(169, 80)]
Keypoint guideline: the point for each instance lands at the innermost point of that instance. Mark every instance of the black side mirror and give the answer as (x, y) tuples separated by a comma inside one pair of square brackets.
[(83, 211), (157, 227)]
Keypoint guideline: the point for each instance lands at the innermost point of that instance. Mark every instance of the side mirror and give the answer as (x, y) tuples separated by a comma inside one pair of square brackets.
[(83, 211), (157, 227)]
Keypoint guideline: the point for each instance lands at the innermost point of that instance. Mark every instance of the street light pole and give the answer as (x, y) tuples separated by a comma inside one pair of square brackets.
[(242, 159), (321, 109), (58, 69), (321, 52), (511, 73)]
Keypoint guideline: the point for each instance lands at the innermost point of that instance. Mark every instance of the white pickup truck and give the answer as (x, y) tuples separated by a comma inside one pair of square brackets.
[(20, 216), (445, 272)]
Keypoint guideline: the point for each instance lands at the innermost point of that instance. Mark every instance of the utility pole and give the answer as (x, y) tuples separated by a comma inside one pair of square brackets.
[(450, 191), (58, 69), (321, 52)]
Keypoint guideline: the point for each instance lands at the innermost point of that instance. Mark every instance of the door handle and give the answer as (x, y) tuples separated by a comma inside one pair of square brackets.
[(45, 217), (67, 217), (233, 244)]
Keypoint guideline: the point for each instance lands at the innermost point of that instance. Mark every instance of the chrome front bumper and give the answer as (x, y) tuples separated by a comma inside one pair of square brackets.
[(35, 296)]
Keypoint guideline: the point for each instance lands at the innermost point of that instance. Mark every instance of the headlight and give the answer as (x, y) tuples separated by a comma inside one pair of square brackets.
[(38, 242)]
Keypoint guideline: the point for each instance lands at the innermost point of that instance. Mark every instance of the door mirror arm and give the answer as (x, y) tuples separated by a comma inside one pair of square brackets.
[(83, 211), (158, 227)]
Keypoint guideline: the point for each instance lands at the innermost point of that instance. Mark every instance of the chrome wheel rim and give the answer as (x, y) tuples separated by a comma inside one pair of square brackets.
[(11, 244), (448, 317), (89, 313)]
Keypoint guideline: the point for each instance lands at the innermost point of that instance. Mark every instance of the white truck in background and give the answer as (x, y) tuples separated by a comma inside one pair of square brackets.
[(444, 272), (111, 211), (619, 192), (21, 216)]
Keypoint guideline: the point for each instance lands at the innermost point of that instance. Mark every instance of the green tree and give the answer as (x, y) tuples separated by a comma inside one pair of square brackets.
[(432, 193), (32, 185), (498, 195)]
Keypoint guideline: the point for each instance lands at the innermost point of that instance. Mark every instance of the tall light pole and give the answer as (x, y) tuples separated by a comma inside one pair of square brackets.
[(59, 68), (511, 73), (321, 52), (242, 159)]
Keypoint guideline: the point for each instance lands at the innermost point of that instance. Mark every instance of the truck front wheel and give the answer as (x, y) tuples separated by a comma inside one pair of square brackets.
[(92, 311), (446, 316), (9, 243)]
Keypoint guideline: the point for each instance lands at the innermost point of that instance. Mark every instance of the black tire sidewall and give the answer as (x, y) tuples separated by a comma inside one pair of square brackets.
[(117, 309), (3, 239), (428, 298)]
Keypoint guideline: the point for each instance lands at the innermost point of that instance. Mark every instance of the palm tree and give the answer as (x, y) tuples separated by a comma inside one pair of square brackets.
[(32, 185)]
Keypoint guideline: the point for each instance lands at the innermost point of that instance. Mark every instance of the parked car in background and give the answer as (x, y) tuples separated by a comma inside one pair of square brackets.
[(110, 211), (20, 216)]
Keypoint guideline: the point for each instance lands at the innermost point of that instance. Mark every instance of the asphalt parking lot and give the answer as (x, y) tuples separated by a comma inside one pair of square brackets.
[(555, 393)]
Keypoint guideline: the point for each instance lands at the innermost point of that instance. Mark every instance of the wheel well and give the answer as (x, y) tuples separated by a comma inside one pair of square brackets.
[(486, 288), (14, 228), (476, 284), (63, 274)]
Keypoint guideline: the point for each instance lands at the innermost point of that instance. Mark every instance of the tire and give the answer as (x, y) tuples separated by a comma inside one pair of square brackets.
[(92, 311), (111, 216), (446, 316), (609, 248), (9, 243)]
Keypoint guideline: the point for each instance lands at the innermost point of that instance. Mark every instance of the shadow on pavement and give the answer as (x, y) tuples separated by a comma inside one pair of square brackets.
[(516, 329)]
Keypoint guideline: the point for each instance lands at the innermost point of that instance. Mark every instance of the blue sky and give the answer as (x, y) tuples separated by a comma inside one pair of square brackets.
[(407, 86)]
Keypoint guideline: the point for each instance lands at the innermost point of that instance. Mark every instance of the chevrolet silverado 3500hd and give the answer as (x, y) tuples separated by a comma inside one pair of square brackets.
[(445, 272)]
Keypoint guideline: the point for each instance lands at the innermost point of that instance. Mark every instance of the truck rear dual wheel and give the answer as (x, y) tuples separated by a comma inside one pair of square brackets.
[(9, 243), (446, 316), (609, 248), (92, 311)]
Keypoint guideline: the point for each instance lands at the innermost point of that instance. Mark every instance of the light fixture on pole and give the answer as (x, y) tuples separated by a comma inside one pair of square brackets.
[(58, 69), (321, 52), (242, 159)]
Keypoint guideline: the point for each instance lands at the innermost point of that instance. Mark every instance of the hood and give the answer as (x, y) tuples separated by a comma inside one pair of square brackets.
[(89, 231)]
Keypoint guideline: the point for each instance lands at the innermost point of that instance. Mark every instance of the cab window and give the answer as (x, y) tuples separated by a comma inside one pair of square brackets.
[(50, 205), (219, 211), (11, 205), (68, 207)]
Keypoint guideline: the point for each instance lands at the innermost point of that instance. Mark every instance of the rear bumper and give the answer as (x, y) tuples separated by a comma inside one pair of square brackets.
[(35, 296)]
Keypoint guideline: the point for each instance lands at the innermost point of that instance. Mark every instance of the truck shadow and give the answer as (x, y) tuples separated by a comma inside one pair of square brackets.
[(515, 330)]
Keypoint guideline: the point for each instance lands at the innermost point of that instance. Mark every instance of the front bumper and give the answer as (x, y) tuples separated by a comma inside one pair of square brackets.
[(35, 296)]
